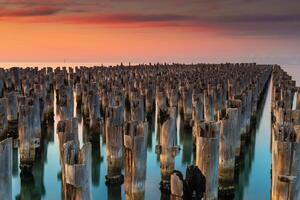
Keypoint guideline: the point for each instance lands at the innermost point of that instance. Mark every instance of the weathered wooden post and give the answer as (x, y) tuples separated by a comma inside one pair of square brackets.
[(37, 129), (137, 112), (67, 130), (1, 84), (298, 99), (231, 89), (161, 101), (209, 104), (285, 138), (28, 141), (78, 93), (6, 169), (198, 107), (149, 98), (12, 114), (295, 194), (94, 112), (172, 94), (65, 104), (135, 159), (176, 187), (228, 122), (77, 164), (167, 148), (187, 94), (207, 156), (3, 118), (282, 162), (236, 103), (114, 124), (48, 112), (248, 110), (220, 99)]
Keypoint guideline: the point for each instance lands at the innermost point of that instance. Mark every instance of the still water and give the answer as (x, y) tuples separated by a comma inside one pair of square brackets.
[(253, 182)]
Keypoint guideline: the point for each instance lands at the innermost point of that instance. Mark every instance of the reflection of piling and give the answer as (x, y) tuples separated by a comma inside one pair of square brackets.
[(207, 156), (6, 169), (135, 159)]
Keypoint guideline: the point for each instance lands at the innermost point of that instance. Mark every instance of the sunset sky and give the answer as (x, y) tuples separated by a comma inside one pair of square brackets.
[(265, 31)]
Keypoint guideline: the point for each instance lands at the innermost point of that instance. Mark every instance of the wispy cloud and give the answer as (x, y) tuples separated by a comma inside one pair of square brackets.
[(237, 17), (260, 18), (123, 18), (27, 12)]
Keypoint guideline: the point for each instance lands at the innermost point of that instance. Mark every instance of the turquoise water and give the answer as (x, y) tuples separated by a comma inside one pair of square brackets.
[(254, 180)]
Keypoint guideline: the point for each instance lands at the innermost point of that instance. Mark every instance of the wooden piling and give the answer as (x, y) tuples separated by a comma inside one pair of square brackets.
[(3, 119), (135, 159), (94, 112), (198, 107), (228, 121), (67, 131), (114, 125), (167, 148), (77, 164), (209, 104), (12, 114), (6, 169), (176, 187), (28, 140), (298, 99), (285, 138), (207, 156), (187, 94)]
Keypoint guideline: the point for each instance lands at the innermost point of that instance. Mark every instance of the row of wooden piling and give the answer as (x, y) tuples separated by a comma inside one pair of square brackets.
[(219, 130), (26, 105), (285, 136), (217, 101)]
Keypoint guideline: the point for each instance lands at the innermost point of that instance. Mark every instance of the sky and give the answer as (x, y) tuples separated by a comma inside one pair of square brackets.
[(142, 31)]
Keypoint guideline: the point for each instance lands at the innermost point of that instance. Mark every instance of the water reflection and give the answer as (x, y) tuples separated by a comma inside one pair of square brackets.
[(186, 141), (33, 187), (254, 176), (46, 182)]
